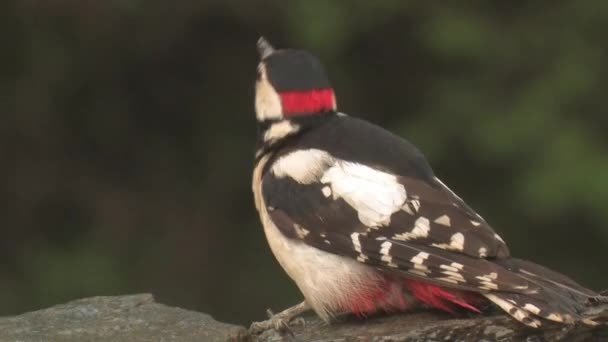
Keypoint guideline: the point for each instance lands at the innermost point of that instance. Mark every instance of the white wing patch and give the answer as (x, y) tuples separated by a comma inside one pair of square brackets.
[(456, 243), (386, 256), (304, 166), (356, 243), (486, 281), (326, 191), (532, 308), (421, 229), (357, 246), (516, 312), (419, 266), (443, 220), (375, 195), (300, 231)]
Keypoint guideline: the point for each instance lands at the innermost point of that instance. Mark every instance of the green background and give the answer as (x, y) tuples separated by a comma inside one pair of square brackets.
[(127, 135)]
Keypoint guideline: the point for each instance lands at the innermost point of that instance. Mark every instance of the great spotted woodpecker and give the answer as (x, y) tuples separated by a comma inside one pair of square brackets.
[(358, 220)]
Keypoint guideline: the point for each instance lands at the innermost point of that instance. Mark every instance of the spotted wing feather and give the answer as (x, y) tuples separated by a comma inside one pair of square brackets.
[(301, 211), (451, 221), (357, 142)]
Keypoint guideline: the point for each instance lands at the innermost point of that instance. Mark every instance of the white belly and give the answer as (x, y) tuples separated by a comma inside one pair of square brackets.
[(329, 282)]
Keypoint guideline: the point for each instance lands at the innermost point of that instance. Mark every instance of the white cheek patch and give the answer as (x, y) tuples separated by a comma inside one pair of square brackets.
[(267, 101), (303, 166), (375, 195)]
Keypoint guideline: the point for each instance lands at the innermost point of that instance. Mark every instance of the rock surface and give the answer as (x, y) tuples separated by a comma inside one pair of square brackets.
[(436, 327), (138, 318), (124, 318)]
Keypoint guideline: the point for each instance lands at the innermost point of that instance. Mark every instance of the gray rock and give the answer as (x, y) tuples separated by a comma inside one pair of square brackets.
[(428, 326), (123, 318), (138, 318)]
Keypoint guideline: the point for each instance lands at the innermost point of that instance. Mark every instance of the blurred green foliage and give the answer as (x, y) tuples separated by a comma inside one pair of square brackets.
[(129, 131)]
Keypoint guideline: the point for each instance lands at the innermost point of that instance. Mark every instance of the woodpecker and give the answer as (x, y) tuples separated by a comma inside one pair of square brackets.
[(356, 217)]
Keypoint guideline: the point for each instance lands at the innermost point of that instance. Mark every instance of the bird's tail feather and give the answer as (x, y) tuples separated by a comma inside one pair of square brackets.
[(558, 299)]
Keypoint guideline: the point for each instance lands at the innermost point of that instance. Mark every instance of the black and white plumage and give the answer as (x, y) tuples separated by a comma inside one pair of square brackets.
[(356, 217)]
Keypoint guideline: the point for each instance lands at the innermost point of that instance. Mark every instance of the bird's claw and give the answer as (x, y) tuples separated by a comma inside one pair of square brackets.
[(277, 322), (269, 313), (281, 321), (298, 321)]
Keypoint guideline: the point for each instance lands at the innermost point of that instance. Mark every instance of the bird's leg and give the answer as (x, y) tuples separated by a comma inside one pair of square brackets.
[(279, 321)]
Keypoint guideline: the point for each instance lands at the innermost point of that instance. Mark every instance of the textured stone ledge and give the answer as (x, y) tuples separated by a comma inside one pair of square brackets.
[(124, 318), (139, 318)]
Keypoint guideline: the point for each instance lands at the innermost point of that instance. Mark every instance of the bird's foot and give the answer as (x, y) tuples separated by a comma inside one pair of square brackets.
[(281, 321)]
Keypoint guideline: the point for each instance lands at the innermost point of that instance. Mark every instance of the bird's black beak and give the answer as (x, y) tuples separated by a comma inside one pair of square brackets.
[(264, 48)]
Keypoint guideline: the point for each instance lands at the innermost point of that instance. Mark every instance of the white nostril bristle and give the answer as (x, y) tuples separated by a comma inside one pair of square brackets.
[(264, 48)]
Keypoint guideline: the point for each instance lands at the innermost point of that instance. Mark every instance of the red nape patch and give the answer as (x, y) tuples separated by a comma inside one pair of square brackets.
[(442, 298), (308, 102)]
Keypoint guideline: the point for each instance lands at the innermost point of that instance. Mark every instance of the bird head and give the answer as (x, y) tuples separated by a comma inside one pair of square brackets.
[(290, 83)]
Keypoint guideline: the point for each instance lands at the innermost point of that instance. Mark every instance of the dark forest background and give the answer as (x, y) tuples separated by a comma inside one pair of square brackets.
[(127, 135)]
